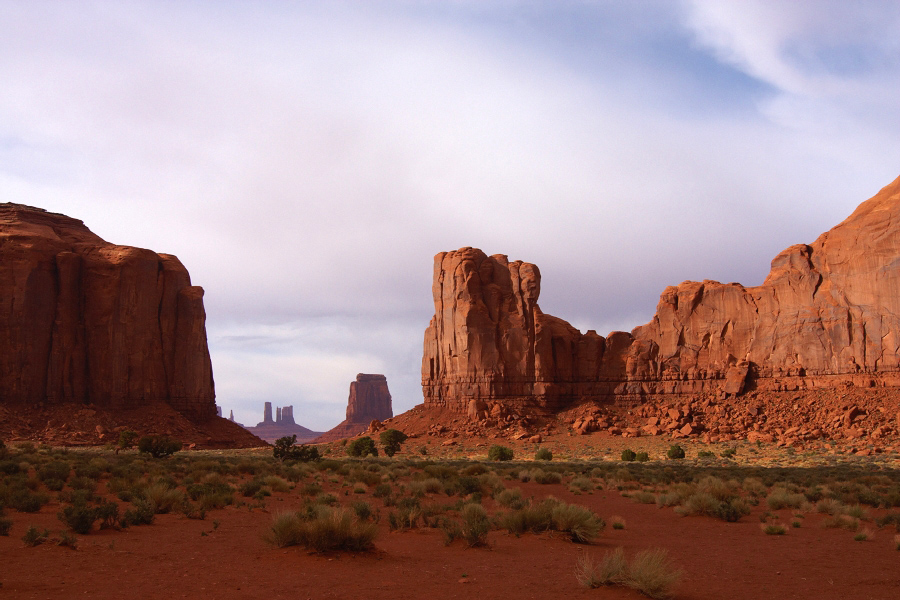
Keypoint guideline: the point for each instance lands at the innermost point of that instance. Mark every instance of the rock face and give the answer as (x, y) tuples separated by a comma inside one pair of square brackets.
[(89, 322), (369, 401), (283, 425), (826, 315)]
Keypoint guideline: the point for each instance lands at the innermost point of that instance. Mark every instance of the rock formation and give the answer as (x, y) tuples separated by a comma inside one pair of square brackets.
[(826, 315), (283, 425), (369, 401), (89, 322)]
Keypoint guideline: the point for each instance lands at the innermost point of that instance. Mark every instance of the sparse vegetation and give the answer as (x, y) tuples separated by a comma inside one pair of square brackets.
[(650, 572), (158, 446), (500, 453)]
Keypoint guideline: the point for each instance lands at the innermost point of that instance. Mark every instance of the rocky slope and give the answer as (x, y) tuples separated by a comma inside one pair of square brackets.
[(369, 401), (825, 318)]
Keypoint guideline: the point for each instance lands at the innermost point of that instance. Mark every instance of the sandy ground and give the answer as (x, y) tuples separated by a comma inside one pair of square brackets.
[(225, 556)]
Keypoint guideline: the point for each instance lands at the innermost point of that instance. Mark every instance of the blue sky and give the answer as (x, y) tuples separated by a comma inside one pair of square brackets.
[(306, 160)]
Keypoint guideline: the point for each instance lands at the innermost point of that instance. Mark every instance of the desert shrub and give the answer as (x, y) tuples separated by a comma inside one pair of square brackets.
[(212, 493), (652, 573), (83, 483), (285, 449), (782, 498), (34, 536), (474, 470), (382, 490), (392, 440), (543, 454), (363, 446), (79, 518), (642, 457), (500, 453), (56, 469), (774, 529), (706, 454), (829, 506), (362, 509), (163, 498), (325, 499), (127, 438), (475, 525), (581, 524), (511, 498), (533, 518), (310, 489), (732, 510), (158, 446), (10, 467), (675, 452), (277, 484), (323, 530), (628, 455), (729, 452), (468, 484), (108, 514), (644, 497), (891, 518), (250, 488), (5, 524), (24, 500), (609, 570), (142, 513), (545, 477), (617, 522), (864, 535)]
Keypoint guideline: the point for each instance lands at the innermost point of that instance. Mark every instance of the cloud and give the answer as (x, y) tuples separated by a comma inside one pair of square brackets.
[(306, 160)]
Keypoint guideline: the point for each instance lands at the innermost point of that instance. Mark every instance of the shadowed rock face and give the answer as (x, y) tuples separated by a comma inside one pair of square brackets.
[(87, 321), (827, 314)]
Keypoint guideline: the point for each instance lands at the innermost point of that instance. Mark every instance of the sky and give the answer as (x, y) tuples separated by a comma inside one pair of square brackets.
[(307, 160)]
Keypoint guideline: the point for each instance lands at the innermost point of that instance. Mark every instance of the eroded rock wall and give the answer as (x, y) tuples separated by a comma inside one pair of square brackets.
[(826, 315), (86, 321)]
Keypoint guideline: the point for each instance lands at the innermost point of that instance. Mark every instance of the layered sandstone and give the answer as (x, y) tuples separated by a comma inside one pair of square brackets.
[(826, 315), (89, 322), (369, 401)]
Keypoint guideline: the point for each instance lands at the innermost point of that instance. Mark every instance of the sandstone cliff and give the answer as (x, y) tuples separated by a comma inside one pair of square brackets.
[(369, 401), (89, 322), (825, 316)]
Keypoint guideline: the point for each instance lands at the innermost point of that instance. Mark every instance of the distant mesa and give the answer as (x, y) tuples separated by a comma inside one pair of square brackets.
[(369, 401), (87, 322), (283, 425), (827, 315)]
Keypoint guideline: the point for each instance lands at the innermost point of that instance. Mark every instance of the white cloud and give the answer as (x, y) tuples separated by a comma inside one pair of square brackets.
[(306, 161)]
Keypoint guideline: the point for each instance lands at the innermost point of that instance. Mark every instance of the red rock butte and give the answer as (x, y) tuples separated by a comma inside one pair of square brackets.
[(89, 322), (826, 316), (369, 401)]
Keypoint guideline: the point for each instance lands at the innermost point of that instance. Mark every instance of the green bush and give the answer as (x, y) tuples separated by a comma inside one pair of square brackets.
[(628, 455), (127, 438), (158, 446), (675, 452), (581, 524), (285, 449), (475, 525), (642, 457), (501, 453), (651, 572), (543, 454), (143, 513), (392, 440), (56, 469), (34, 537), (362, 447), (323, 530), (79, 518)]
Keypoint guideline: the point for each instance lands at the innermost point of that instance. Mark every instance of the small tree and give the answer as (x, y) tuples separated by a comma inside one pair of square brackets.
[(362, 447), (158, 446), (286, 450), (127, 438), (502, 453), (628, 454), (392, 440), (675, 452)]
